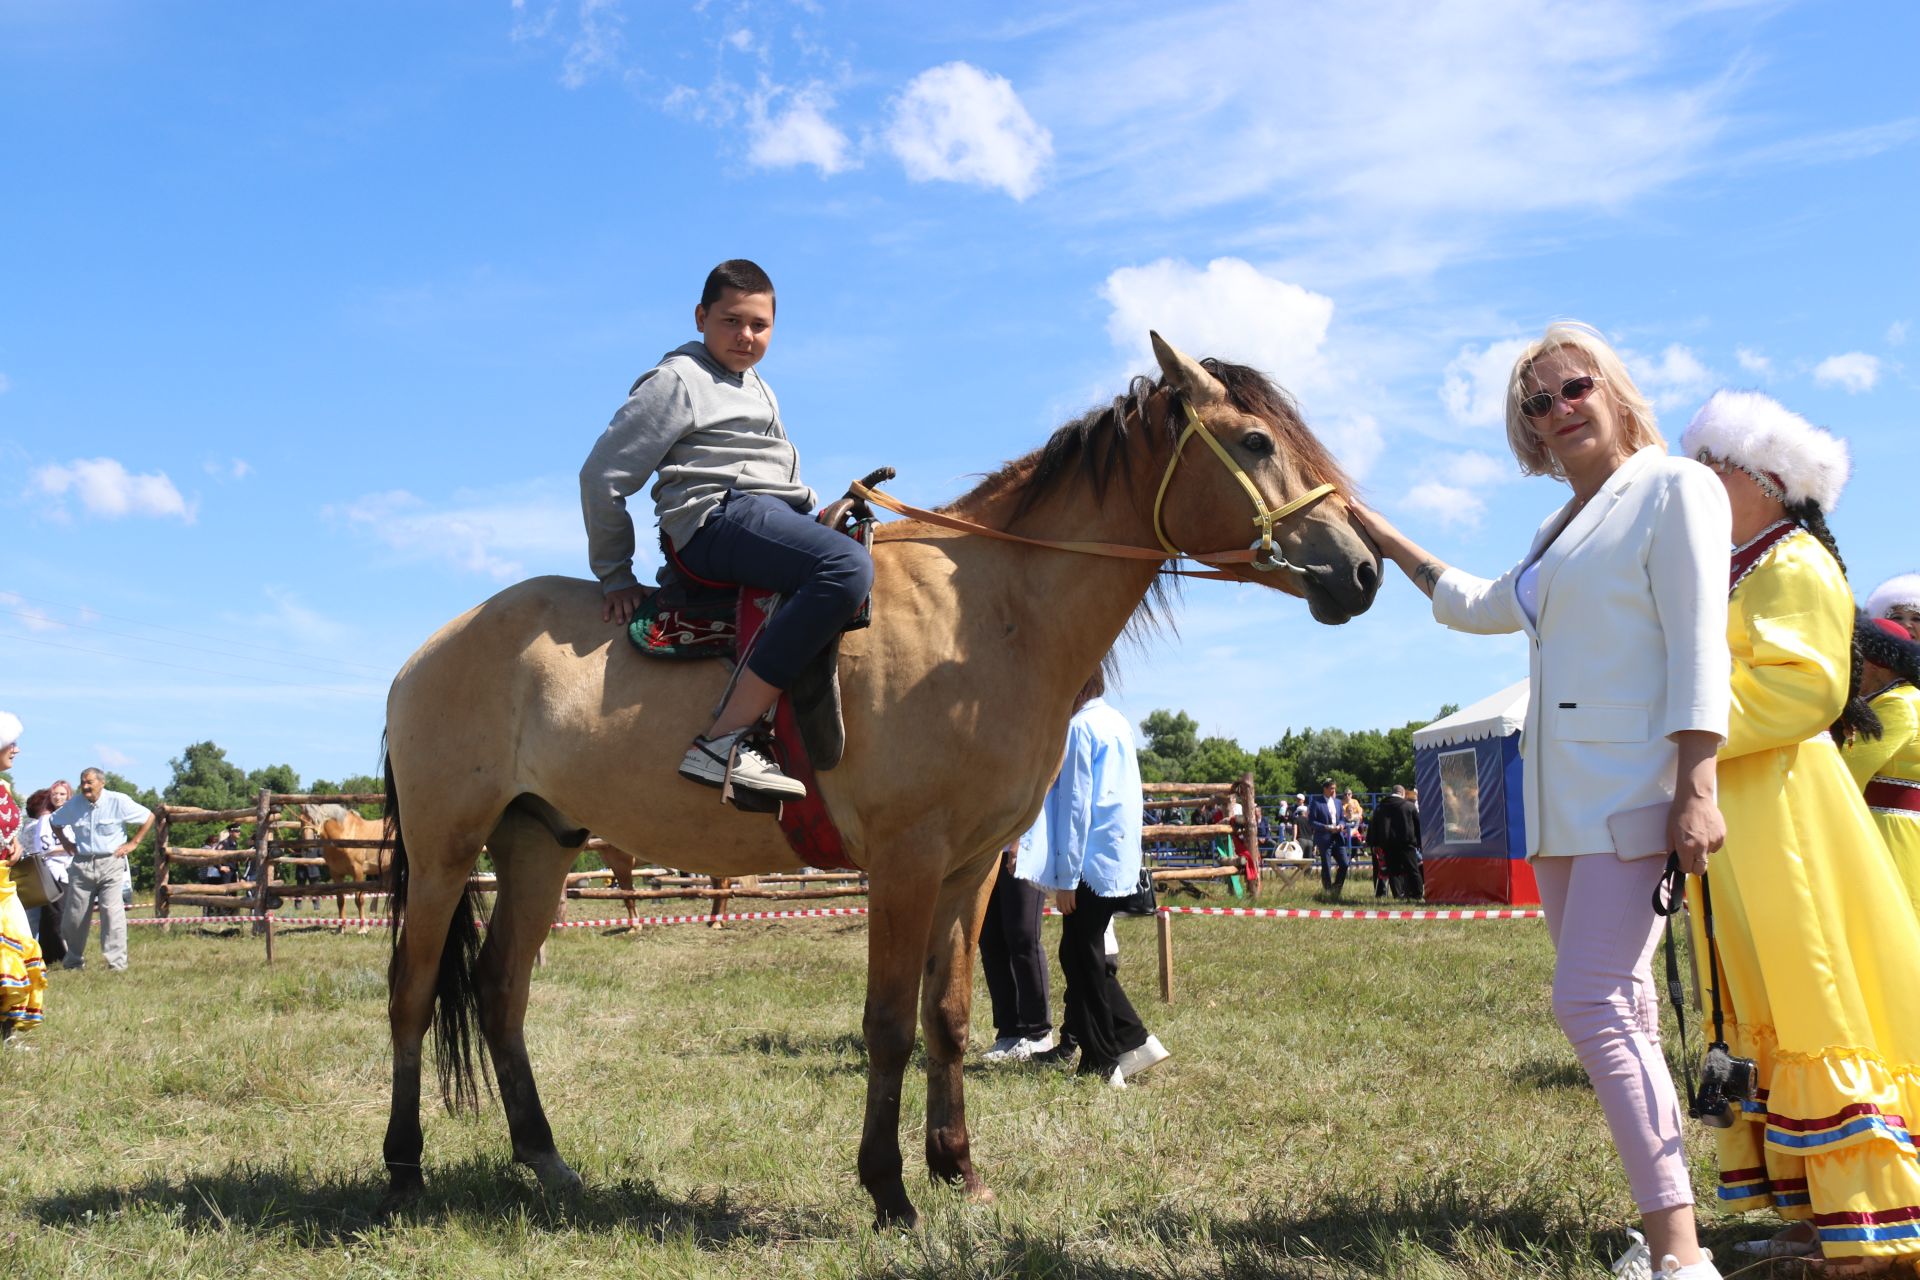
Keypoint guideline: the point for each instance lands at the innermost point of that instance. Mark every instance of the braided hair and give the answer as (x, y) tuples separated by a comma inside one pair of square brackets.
[(1856, 717), (1900, 656)]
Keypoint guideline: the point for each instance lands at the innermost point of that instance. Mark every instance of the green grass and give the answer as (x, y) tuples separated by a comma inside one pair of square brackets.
[(1345, 1099)]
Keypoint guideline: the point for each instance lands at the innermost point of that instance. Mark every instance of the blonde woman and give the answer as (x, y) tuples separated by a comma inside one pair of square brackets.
[(1622, 724)]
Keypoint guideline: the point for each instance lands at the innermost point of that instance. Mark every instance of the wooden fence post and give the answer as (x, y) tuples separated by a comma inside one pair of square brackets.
[(163, 836), (262, 873), (1164, 925)]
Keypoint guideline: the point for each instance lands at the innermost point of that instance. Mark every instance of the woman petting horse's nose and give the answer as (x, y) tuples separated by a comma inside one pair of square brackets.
[(1622, 724)]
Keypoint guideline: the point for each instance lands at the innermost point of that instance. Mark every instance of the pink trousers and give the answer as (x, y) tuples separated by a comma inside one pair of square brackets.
[(1605, 999)]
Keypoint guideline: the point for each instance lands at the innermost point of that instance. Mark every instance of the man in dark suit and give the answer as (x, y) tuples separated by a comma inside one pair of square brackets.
[(1324, 821), (1394, 830)]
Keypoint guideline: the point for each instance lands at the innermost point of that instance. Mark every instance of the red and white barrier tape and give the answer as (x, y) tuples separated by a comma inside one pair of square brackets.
[(330, 922), (1276, 913), (817, 913)]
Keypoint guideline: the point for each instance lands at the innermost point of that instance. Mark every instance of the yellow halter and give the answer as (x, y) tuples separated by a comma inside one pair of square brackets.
[(1266, 557)]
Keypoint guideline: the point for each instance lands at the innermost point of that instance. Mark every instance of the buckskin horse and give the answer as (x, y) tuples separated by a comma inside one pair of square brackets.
[(526, 723)]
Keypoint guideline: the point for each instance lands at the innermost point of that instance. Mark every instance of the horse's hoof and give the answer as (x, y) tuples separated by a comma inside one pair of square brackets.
[(402, 1192), (893, 1211), (556, 1176), (980, 1194)]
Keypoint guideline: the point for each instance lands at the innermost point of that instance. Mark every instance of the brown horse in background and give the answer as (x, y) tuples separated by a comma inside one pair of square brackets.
[(330, 823), (527, 722)]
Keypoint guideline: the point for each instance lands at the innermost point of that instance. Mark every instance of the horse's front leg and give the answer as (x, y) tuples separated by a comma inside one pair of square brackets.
[(946, 1006), (900, 909)]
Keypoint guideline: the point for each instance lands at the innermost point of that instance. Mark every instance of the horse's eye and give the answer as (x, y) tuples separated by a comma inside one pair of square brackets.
[(1257, 444)]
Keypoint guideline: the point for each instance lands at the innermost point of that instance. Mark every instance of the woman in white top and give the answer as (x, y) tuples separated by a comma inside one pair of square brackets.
[(1623, 593)]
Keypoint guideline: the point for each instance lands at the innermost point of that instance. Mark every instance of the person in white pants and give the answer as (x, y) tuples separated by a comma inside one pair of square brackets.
[(92, 826)]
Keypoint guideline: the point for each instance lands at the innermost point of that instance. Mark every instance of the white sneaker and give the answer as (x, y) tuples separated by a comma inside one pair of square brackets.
[(706, 762), (1670, 1268), (1150, 1054), (1016, 1049), (1637, 1262)]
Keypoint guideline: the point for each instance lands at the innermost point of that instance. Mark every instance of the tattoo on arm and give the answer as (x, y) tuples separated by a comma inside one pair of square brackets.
[(1428, 575)]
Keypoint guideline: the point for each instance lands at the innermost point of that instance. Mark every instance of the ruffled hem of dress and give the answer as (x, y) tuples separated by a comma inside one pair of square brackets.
[(1817, 1119)]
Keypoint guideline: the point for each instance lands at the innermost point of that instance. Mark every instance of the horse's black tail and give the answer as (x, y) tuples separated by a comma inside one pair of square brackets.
[(456, 993)]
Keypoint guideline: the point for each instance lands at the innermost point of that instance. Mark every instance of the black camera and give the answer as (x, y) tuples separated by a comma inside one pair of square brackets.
[(1725, 1082)]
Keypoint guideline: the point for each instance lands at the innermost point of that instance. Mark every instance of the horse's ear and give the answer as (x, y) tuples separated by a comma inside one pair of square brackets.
[(1184, 373)]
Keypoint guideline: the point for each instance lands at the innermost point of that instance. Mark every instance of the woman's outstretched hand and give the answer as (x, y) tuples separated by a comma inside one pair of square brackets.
[(1421, 568)]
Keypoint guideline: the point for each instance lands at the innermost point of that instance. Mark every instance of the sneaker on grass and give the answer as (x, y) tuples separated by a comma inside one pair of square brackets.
[(1017, 1048), (706, 763), (1150, 1054)]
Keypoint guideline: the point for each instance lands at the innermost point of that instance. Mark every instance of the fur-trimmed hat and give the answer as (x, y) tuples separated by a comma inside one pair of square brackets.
[(1762, 436), (10, 729), (1894, 593), (1886, 644)]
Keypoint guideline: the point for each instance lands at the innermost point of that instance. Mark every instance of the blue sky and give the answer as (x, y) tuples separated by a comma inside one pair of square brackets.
[(309, 314)]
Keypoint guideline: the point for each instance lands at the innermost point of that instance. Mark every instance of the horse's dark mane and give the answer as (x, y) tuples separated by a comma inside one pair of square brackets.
[(1092, 449)]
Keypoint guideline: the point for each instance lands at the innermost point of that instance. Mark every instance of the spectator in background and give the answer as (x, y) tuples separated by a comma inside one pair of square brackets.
[(23, 974), (1297, 818), (40, 837), (1329, 844), (1015, 964), (1086, 849), (93, 828), (1394, 833)]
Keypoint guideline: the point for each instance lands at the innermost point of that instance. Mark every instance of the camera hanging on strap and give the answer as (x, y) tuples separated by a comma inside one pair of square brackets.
[(1725, 1080)]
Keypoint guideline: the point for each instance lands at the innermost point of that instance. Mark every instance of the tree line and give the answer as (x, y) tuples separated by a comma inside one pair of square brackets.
[(1364, 759)]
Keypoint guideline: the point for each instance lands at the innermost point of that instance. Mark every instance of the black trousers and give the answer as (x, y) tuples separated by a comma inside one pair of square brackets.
[(1013, 958), (1098, 1013)]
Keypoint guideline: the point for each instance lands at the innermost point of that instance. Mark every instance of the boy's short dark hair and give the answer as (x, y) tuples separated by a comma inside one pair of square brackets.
[(735, 273)]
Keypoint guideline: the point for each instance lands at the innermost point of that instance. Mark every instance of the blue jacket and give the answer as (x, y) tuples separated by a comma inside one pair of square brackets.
[(1323, 812), (1089, 828)]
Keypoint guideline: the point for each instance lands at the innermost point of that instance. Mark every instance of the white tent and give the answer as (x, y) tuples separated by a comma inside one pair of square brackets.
[(1494, 716)]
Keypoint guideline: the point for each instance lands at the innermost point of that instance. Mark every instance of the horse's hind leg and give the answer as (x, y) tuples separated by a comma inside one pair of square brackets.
[(531, 869), (900, 913), (946, 1005)]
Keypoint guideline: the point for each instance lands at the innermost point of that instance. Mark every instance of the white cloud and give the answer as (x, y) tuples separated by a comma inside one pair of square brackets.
[(231, 469), (1854, 372), (1675, 380), (112, 758), (799, 134), (106, 488), (1474, 386), (1230, 309), (957, 123), (1233, 310), (27, 615), (595, 46), (741, 38), (491, 534), (1753, 362), (1896, 337), (1449, 504), (6, 384), (1396, 122)]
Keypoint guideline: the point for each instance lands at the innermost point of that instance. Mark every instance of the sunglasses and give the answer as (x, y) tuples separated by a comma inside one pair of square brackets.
[(1540, 403)]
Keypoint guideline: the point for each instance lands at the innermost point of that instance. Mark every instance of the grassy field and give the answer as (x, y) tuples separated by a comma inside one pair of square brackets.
[(1345, 1099)]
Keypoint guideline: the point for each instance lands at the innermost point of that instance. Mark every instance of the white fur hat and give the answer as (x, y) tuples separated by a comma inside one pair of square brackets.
[(1894, 592), (1762, 435), (10, 729)]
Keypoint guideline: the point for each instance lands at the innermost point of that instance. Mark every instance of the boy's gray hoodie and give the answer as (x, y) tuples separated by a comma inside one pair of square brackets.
[(707, 431)]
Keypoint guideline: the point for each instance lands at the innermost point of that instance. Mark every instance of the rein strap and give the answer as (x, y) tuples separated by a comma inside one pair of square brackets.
[(1261, 555)]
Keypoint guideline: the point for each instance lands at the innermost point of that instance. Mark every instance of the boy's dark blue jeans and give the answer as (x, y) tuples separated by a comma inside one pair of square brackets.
[(759, 541)]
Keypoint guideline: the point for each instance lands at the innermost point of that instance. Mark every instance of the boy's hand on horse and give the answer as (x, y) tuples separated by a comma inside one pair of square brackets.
[(620, 605)]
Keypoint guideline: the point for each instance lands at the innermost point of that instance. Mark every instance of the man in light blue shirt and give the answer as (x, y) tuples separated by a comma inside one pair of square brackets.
[(92, 826), (1086, 849)]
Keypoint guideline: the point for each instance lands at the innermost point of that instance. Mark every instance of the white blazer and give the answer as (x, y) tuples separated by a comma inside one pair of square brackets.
[(1630, 647)]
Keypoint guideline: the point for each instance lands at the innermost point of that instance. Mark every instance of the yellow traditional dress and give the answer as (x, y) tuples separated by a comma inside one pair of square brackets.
[(1818, 950), (23, 974), (1887, 768)]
